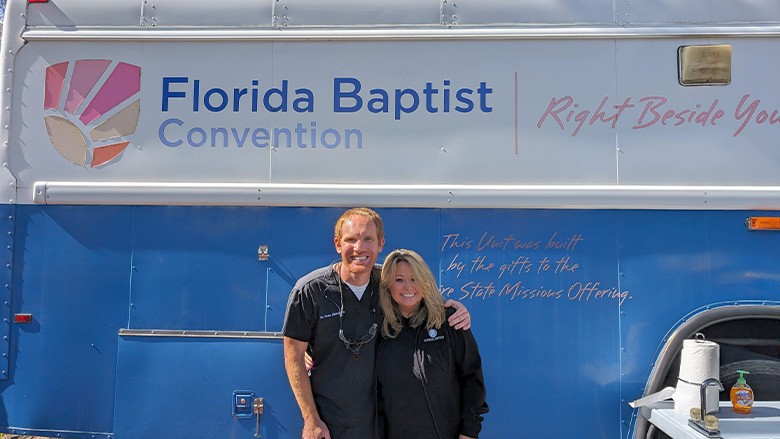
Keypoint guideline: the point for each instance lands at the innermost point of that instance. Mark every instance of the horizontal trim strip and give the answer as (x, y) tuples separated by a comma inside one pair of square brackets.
[(124, 332), (431, 196), (405, 33), (50, 432)]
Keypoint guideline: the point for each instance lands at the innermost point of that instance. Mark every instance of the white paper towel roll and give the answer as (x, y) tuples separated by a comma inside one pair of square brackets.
[(699, 361)]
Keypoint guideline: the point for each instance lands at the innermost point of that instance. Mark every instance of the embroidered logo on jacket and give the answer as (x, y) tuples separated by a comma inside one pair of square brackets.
[(433, 335)]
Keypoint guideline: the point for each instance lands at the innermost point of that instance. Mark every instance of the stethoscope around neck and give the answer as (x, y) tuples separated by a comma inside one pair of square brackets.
[(353, 345)]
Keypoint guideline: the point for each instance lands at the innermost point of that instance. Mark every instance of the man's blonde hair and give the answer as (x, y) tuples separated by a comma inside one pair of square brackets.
[(365, 212)]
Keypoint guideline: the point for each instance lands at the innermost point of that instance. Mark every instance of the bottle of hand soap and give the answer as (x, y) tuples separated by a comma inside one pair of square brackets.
[(741, 394)]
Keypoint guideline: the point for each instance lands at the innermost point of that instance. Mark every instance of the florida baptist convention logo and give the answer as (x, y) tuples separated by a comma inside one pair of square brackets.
[(91, 107)]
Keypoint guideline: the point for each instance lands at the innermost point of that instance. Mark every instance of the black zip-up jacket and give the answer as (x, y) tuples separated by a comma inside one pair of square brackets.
[(430, 384)]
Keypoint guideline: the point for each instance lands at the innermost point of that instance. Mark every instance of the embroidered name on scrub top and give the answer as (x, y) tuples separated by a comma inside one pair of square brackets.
[(327, 316)]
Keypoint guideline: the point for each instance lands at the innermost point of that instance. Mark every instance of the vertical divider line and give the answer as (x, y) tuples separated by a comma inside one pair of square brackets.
[(132, 265), (516, 116)]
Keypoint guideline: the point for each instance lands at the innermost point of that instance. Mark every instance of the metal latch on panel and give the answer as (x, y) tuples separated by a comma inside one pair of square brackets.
[(262, 253), (259, 406), (242, 404)]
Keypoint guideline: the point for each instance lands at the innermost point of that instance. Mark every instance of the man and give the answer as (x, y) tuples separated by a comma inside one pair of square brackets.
[(333, 315)]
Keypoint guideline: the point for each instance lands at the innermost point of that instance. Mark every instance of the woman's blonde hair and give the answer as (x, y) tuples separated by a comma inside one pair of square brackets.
[(432, 304)]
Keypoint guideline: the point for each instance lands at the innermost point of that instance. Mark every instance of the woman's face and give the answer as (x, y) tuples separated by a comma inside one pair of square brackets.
[(403, 289)]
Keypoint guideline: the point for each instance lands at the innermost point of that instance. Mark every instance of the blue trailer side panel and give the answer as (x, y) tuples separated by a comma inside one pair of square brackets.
[(72, 275), (180, 387), (548, 349), (197, 268), (564, 302)]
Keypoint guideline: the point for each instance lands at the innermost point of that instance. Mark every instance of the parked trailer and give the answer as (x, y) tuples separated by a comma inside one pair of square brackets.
[(594, 180)]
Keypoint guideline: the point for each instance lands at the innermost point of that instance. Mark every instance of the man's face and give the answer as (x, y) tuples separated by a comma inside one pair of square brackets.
[(359, 248)]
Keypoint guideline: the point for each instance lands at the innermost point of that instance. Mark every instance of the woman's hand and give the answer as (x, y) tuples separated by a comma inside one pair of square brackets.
[(461, 319), (308, 361)]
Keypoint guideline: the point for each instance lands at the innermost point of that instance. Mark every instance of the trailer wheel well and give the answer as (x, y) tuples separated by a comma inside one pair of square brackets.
[(749, 339), (751, 344)]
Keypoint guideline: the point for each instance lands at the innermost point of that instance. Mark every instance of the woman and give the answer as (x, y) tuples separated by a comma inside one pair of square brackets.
[(429, 376)]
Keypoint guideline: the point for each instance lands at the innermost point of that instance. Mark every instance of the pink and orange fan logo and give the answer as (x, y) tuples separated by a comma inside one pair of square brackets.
[(91, 107)]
